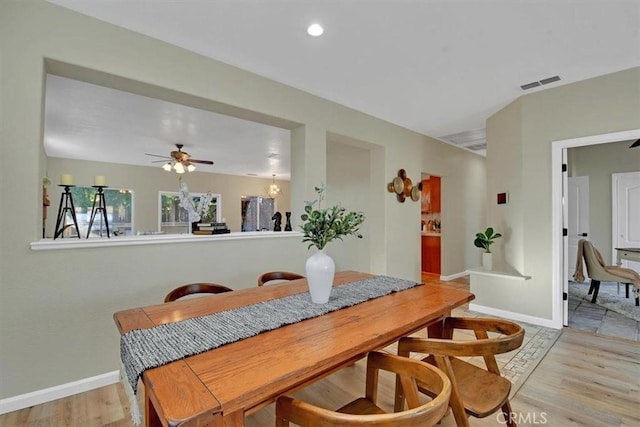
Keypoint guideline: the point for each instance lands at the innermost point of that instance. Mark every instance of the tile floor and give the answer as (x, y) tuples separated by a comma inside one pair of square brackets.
[(590, 317)]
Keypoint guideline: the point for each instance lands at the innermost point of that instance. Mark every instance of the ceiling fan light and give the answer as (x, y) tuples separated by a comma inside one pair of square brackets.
[(179, 168), (191, 168), (167, 166)]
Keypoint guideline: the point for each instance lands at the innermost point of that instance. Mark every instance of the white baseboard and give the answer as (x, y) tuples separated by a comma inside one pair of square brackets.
[(38, 397), (454, 276), (514, 316)]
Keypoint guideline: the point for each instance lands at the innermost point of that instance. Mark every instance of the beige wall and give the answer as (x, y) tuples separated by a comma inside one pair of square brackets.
[(598, 162), (596, 106), (504, 158), (348, 179), (60, 303), (463, 198), (147, 181)]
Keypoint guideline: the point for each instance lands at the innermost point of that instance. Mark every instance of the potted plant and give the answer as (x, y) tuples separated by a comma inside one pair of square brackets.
[(321, 226), (484, 241)]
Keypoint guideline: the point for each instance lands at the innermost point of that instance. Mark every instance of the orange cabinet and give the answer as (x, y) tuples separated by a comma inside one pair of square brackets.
[(434, 183), (431, 254), (431, 195)]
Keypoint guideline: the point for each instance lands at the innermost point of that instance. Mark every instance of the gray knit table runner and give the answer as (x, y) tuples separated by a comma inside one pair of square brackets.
[(142, 349)]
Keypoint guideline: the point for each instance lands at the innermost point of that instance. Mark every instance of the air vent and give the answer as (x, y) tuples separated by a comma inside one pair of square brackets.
[(474, 140), (541, 82), (550, 80), (252, 174), (530, 85)]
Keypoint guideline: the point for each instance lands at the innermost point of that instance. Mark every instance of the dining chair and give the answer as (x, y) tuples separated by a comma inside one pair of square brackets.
[(277, 275), (364, 411), (599, 271), (195, 288), (476, 390)]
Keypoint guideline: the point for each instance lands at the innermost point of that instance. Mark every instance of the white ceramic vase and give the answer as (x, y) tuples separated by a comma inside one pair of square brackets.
[(320, 270), (487, 260)]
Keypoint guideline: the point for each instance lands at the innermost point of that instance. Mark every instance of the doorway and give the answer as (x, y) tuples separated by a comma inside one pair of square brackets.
[(626, 215), (430, 227), (578, 217), (559, 214)]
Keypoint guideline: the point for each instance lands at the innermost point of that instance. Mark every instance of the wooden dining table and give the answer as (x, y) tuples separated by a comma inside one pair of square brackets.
[(221, 386)]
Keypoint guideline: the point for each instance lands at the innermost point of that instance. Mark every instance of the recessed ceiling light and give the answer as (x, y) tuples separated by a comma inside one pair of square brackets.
[(315, 30)]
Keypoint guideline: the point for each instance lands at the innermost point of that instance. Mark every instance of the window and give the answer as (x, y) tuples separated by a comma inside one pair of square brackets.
[(174, 219), (119, 211), (257, 213)]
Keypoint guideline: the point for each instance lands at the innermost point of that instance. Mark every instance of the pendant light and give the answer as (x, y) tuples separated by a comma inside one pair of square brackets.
[(274, 190)]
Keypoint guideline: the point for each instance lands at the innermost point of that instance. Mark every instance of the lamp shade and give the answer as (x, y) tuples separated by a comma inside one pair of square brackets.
[(178, 167)]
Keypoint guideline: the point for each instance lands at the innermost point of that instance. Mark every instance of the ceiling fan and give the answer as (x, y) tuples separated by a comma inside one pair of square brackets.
[(179, 161)]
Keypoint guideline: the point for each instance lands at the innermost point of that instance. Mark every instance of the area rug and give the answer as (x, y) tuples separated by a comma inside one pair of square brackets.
[(529, 356), (608, 297), (537, 343)]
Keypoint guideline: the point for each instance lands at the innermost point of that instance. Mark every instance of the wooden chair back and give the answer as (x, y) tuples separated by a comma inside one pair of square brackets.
[(364, 411), (195, 288), (277, 275), (476, 391)]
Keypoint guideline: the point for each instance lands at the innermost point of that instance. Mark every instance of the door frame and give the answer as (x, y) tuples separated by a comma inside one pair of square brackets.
[(558, 241)]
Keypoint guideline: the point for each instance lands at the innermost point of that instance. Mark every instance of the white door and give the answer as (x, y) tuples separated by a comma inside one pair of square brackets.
[(578, 218), (626, 214)]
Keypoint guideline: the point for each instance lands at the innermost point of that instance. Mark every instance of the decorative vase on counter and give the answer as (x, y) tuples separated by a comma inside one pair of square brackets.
[(487, 260), (320, 270)]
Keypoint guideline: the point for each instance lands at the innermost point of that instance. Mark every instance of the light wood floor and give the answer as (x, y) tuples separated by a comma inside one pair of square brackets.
[(584, 380)]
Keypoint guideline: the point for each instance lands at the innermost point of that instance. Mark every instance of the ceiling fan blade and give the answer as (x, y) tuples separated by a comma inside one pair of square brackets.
[(204, 162), (159, 161), (157, 155), (635, 144)]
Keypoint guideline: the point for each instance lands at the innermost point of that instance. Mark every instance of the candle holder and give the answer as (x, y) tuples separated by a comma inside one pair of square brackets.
[(66, 206), (101, 208)]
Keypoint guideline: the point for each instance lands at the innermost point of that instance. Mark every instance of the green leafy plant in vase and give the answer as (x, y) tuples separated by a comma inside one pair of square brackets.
[(484, 241), (321, 226)]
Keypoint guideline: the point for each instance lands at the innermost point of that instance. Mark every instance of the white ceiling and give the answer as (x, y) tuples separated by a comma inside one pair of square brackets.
[(89, 122), (439, 67)]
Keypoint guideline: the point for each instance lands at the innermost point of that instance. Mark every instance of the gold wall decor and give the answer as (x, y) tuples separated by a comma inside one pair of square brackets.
[(403, 187)]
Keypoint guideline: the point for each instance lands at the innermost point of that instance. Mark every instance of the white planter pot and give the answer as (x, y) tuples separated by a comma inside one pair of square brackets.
[(320, 270), (487, 260)]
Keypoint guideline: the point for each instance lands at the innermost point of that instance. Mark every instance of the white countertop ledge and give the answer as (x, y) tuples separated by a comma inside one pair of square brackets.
[(499, 272), (158, 239)]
